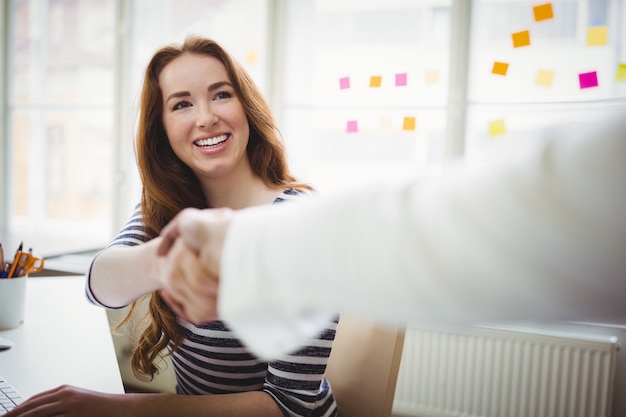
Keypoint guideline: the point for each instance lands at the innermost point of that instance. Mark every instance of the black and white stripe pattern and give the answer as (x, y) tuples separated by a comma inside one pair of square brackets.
[(211, 360)]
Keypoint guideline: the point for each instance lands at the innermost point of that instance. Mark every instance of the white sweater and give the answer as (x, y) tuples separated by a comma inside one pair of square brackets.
[(541, 237)]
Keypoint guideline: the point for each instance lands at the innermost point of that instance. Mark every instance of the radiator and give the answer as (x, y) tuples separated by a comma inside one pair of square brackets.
[(490, 372)]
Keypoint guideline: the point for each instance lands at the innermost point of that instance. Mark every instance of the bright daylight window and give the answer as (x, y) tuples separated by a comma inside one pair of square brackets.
[(360, 89), (61, 61)]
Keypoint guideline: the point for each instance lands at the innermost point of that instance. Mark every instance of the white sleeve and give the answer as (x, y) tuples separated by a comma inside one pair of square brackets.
[(541, 237)]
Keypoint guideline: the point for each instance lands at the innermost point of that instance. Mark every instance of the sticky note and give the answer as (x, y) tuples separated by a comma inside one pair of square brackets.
[(408, 123), (597, 36), (352, 126), (500, 68), (543, 12), (497, 127), (385, 124), (252, 57), (431, 76), (588, 79), (544, 78), (401, 79), (521, 39), (620, 76), (344, 82), (376, 81)]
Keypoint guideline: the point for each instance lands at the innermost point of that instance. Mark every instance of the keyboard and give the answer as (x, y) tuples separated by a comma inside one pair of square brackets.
[(9, 397)]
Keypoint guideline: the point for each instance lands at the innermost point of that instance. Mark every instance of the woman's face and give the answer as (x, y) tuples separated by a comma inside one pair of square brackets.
[(204, 120)]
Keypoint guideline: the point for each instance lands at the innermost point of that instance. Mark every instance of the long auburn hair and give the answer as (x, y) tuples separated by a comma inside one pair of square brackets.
[(170, 186)]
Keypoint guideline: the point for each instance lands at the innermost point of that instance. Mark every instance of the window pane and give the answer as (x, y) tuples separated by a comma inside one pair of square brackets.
[(63, 52), (61, 123)]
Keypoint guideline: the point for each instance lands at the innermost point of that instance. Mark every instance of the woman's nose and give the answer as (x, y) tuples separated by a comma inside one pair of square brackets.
[(206, 117)]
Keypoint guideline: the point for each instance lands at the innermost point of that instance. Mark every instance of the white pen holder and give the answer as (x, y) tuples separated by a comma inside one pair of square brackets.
[(12, 300)]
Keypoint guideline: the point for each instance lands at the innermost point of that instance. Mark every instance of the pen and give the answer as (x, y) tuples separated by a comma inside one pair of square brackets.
[(16, 259), (3, 272)]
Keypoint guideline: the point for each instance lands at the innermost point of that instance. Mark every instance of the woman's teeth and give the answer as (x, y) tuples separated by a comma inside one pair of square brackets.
[(211, 141)]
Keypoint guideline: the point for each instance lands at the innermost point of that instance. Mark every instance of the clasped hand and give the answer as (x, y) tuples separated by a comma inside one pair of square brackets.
[(191, 248)]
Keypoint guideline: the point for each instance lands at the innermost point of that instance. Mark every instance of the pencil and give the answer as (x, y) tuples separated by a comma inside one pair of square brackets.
[(16, 259)]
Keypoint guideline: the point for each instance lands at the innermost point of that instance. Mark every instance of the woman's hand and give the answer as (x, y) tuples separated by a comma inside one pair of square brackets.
[(68, 401), (191, 248)]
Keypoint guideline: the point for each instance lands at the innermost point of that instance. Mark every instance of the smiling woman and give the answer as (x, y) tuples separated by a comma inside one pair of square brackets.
[(206, 138)]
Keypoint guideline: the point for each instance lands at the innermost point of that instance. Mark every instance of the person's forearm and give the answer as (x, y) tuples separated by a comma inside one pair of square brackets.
[(122, 274), (246, 404), (541, 238)]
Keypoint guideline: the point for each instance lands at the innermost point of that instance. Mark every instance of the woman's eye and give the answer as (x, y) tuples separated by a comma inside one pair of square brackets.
[(181, 105), (222, 95)]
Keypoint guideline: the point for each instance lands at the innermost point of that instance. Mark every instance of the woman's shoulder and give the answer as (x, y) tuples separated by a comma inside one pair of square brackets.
[(293, 194)]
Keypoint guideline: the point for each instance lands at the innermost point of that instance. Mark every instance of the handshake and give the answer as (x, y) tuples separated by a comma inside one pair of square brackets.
[(191, 246)]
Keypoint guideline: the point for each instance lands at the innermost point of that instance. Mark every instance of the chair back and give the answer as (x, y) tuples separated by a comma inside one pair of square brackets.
[(363, 367)]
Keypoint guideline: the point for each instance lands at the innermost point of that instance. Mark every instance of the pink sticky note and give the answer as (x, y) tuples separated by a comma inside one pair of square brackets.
[(344, 82), (401, 79), (588, 79), (352, 126)]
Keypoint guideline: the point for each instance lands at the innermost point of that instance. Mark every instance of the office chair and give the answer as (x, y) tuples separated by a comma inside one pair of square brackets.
[(363, 367)]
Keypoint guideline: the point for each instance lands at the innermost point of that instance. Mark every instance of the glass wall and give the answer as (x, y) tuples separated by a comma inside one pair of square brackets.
[(365, 88), (536, 65)]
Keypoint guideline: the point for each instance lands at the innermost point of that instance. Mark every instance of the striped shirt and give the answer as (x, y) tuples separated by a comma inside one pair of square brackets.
[(211, 360)]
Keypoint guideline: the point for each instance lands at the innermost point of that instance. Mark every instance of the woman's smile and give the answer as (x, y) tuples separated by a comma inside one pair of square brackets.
[(211, 141)]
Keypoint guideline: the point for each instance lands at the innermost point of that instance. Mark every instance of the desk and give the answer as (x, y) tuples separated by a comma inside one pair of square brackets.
[(64, 340)]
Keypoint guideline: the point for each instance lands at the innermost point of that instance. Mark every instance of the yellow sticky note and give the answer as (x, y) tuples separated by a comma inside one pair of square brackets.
[(500, 68), (544, 78), (497, 127), (252, 57), (408, 123), (620, 76), (597, 36), (431, 76), (543, 12), (521, 39), (376, 81)]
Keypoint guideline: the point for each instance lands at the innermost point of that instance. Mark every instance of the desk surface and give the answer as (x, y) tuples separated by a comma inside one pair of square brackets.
[(64, 340)]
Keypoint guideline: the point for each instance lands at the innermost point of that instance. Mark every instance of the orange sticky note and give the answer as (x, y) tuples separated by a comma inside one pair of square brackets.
[(431, 76), (521, 39), (497, 127), (620, 76), (408, 123), (500, 68), (375, 81), (544, 78), (543, 12), (597, 36)]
